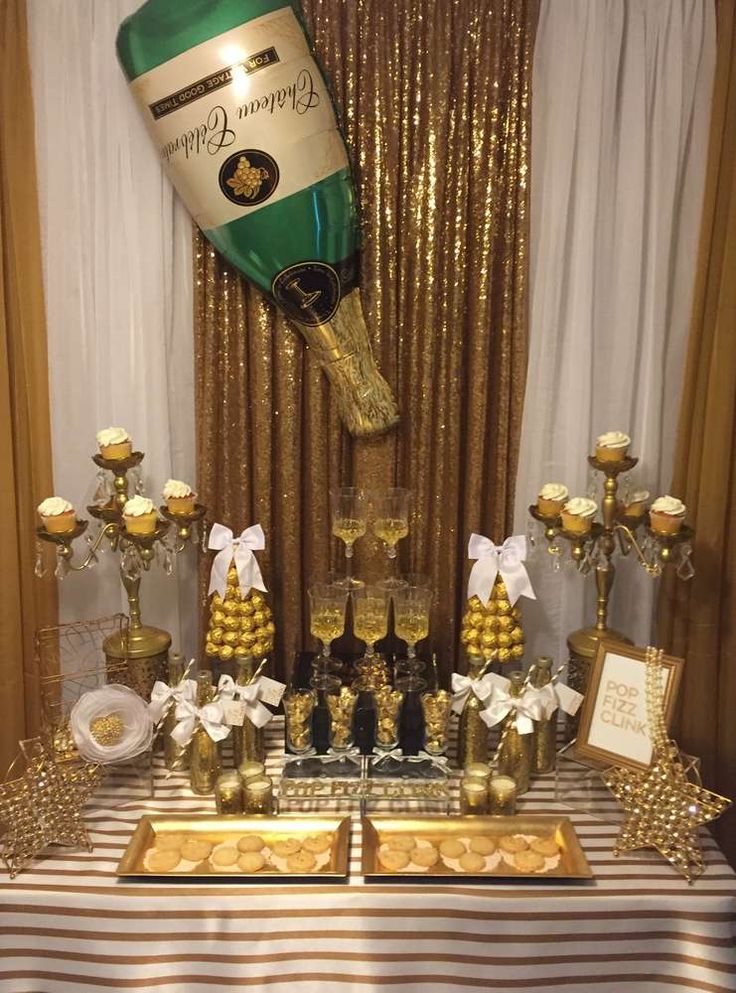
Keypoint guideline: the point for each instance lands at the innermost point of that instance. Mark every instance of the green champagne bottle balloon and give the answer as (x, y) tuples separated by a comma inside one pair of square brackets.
[(246, 130)]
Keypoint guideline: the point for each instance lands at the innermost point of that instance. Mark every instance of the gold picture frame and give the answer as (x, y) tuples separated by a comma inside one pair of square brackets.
[(612, 727)]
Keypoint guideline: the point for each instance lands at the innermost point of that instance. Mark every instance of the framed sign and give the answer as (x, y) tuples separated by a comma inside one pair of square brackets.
[(613, 717)]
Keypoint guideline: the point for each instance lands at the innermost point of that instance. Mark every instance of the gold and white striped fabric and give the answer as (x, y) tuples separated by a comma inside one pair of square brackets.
[(69, 925)]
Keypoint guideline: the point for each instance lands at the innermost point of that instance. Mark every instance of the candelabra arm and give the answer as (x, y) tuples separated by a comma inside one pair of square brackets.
[(65, 551), (631, 538)]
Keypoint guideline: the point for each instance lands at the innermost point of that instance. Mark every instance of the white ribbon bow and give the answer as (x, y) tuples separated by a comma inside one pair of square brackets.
[(163, 696), (462, 686), (502, 704), (543, 701), (211, 717), (249, 695), (506, 559), (396, 753), (241, 549)]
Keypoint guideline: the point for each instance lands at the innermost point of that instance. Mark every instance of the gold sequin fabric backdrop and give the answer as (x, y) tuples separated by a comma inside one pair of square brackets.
[(434, 101)]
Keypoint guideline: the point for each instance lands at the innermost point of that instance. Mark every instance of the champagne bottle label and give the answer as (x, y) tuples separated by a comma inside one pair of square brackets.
[(243, 120)]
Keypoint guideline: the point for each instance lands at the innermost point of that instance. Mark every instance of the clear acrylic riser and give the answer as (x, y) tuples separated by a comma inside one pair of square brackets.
[(392, 785)]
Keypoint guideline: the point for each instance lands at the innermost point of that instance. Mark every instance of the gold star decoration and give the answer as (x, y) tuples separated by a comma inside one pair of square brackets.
[(43, 805), (663, 808)]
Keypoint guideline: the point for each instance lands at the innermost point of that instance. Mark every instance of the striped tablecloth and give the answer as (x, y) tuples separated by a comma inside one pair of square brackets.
[(68, 925)]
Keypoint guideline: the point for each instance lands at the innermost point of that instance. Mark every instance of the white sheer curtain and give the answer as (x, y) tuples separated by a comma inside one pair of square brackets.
[(620, 114), (118, 275)]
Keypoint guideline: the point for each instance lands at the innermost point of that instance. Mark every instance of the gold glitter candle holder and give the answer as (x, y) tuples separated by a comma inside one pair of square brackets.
[(388, 703), (251, 769), (341, 708), (437, 708), (473, 797), (258, 795), (298, 708), (478, 770), (502, 796), (229, 794)]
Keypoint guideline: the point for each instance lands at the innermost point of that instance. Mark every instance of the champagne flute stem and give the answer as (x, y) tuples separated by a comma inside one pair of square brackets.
[(411, 651)]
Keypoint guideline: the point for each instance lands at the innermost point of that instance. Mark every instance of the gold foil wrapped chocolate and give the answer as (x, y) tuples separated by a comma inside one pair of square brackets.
[(239, 624), (341, 708), (436, 707), (388, 703), (493, 630), (298, 708)]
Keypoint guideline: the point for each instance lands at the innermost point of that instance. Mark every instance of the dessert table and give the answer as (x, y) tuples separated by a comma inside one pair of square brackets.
[(68, 924)]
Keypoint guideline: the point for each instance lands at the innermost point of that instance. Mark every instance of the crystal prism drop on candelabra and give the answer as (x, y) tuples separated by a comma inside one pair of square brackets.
[(40, 566), (62, 565), (685, 568), (131, 563)]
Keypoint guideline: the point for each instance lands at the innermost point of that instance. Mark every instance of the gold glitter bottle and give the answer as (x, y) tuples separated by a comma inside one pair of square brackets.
[(248, 742), (472, 741), (175, 756), (204, 759), (516, 752), (544, 744)]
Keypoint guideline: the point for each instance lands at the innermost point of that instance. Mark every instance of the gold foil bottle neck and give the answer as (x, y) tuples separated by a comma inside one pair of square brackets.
[(542, 673), (176, 668)]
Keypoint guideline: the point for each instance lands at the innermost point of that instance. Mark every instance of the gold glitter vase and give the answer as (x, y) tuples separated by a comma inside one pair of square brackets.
[(205, 761), (544, 736), (175, 756), (515, 758), (248, 740), (472, 741)]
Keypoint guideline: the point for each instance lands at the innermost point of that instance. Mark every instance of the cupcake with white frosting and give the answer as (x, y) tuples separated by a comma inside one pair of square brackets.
[(179, 497), (667, 515), (139, 515), (57, 515), (635, 504), (115, 443), (551, 498), (612, 446), (577, 515)]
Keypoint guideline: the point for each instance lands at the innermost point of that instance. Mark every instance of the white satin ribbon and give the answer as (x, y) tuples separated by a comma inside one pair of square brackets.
[(163, 696), (211, 717), (462, 686), (241, 549), (502, 704), (396, 753), (506, 559), (249, 695), (542, 702)]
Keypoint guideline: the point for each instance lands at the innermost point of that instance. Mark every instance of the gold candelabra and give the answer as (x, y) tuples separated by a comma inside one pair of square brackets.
[(144, 647), (594, 550)]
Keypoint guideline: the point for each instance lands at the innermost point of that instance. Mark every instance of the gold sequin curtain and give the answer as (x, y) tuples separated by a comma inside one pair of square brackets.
[(434, 100)]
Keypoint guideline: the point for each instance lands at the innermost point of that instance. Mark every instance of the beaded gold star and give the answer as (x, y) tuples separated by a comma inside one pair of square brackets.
[(43, 806), (664, 809)]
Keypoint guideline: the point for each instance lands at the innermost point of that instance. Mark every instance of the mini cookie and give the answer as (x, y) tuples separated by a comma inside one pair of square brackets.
[(169, 842), (392, 860), (451, 848), (545, 846), (159, 861), (399, 842), (426, 856), (251, 861), (512, 843), (317, 843), (251, 843), (286, 847), (195, 849), (483, 845), (472, 862), (529, 861), (301, 862), (224, 856)]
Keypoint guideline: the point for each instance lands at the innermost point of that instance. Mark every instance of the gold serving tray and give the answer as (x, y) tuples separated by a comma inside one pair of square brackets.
[(217, 829), (572, 865)]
